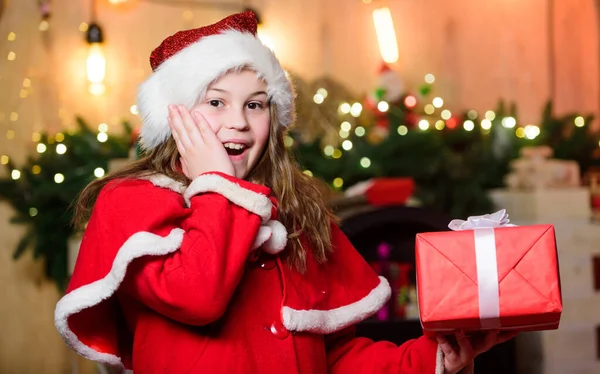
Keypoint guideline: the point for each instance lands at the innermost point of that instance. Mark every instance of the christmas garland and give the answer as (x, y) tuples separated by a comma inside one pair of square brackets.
[(42, 190)]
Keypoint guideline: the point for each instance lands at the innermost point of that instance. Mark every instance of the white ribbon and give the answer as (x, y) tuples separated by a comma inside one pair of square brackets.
[(487, 266), (498, 219)]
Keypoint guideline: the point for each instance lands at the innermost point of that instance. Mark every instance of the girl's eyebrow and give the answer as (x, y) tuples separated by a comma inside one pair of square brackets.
[(251, 95), (218, 90), (259, 93)]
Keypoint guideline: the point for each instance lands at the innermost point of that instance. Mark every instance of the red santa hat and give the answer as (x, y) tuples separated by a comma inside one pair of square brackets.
[(188, 61)]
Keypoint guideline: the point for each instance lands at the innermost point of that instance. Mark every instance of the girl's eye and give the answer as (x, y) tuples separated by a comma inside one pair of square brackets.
[(215, 103), (254, 105)]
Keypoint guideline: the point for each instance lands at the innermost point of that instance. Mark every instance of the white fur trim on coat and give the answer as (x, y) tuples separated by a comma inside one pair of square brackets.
[(254, 202), (138, 245), (184, 77), (163, 181), (328, 321), (439, 361)]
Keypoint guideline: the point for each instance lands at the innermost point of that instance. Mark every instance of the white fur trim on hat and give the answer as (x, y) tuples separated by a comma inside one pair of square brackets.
[(183, 79)]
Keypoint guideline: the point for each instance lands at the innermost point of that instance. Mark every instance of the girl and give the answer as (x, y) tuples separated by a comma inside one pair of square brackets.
[(214, 253)]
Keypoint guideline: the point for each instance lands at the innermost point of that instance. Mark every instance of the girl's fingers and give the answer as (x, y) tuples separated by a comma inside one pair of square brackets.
[(506, 336), (198, 145), (184, 167), (187, 125), (178, 127), (490, 339), (465, 348), (190, 125), (180, 147), (207, 133), (458, 357), (175, 134), (449, 351)]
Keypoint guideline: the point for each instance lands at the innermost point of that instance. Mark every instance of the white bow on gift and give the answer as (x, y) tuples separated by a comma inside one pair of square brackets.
[(493, 220)]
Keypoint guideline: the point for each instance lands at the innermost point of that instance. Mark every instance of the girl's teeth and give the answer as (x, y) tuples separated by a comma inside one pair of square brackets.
[(233, 146)]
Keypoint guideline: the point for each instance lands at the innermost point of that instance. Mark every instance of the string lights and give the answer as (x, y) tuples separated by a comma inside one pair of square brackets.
[(349, 113), (59, 149), (52, 143)]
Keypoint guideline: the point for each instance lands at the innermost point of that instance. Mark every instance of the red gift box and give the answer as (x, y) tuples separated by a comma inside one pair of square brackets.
[(488, 278), (390, 191)]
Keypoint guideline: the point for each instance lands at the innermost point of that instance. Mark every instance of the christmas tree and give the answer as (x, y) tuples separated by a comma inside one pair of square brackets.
[(43, 190), (453, 158)]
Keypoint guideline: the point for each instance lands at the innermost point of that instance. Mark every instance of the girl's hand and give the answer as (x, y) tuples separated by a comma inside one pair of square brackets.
[(457, 356), (200, 149)]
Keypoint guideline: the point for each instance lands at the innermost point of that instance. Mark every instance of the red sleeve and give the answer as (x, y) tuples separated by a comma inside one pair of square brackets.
[(211, 240), (347, 353)]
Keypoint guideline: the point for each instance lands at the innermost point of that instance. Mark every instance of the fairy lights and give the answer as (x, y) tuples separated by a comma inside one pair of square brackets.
[(99, 172), (365, 162), (468, 125), (383, 106)]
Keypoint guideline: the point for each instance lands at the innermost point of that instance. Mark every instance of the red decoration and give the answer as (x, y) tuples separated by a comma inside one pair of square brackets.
[(370, 103), (135, 134), (596, 202), (410, 101), (411, 119), (390, 191), (528, 279), (452, 123), (383, 122)]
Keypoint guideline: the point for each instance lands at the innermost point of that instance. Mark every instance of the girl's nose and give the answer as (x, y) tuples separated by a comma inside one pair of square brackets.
[(237, 120)]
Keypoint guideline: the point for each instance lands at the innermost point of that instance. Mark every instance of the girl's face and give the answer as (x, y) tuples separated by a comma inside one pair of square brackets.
[(237, 110)]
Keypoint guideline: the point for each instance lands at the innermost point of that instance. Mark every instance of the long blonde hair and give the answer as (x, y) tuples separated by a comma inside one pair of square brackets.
[(302, 207)]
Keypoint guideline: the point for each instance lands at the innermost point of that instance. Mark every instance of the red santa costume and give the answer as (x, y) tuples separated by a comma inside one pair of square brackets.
[(187, 279)]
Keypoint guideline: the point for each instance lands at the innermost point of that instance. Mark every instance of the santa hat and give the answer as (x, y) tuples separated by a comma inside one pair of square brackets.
[(188, 61)]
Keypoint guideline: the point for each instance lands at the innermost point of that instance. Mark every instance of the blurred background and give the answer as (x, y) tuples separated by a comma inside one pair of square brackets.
[(411, 112)]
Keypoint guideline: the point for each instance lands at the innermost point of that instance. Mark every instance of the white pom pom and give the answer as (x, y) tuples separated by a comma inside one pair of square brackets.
[(264, 233), (278, 240)]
